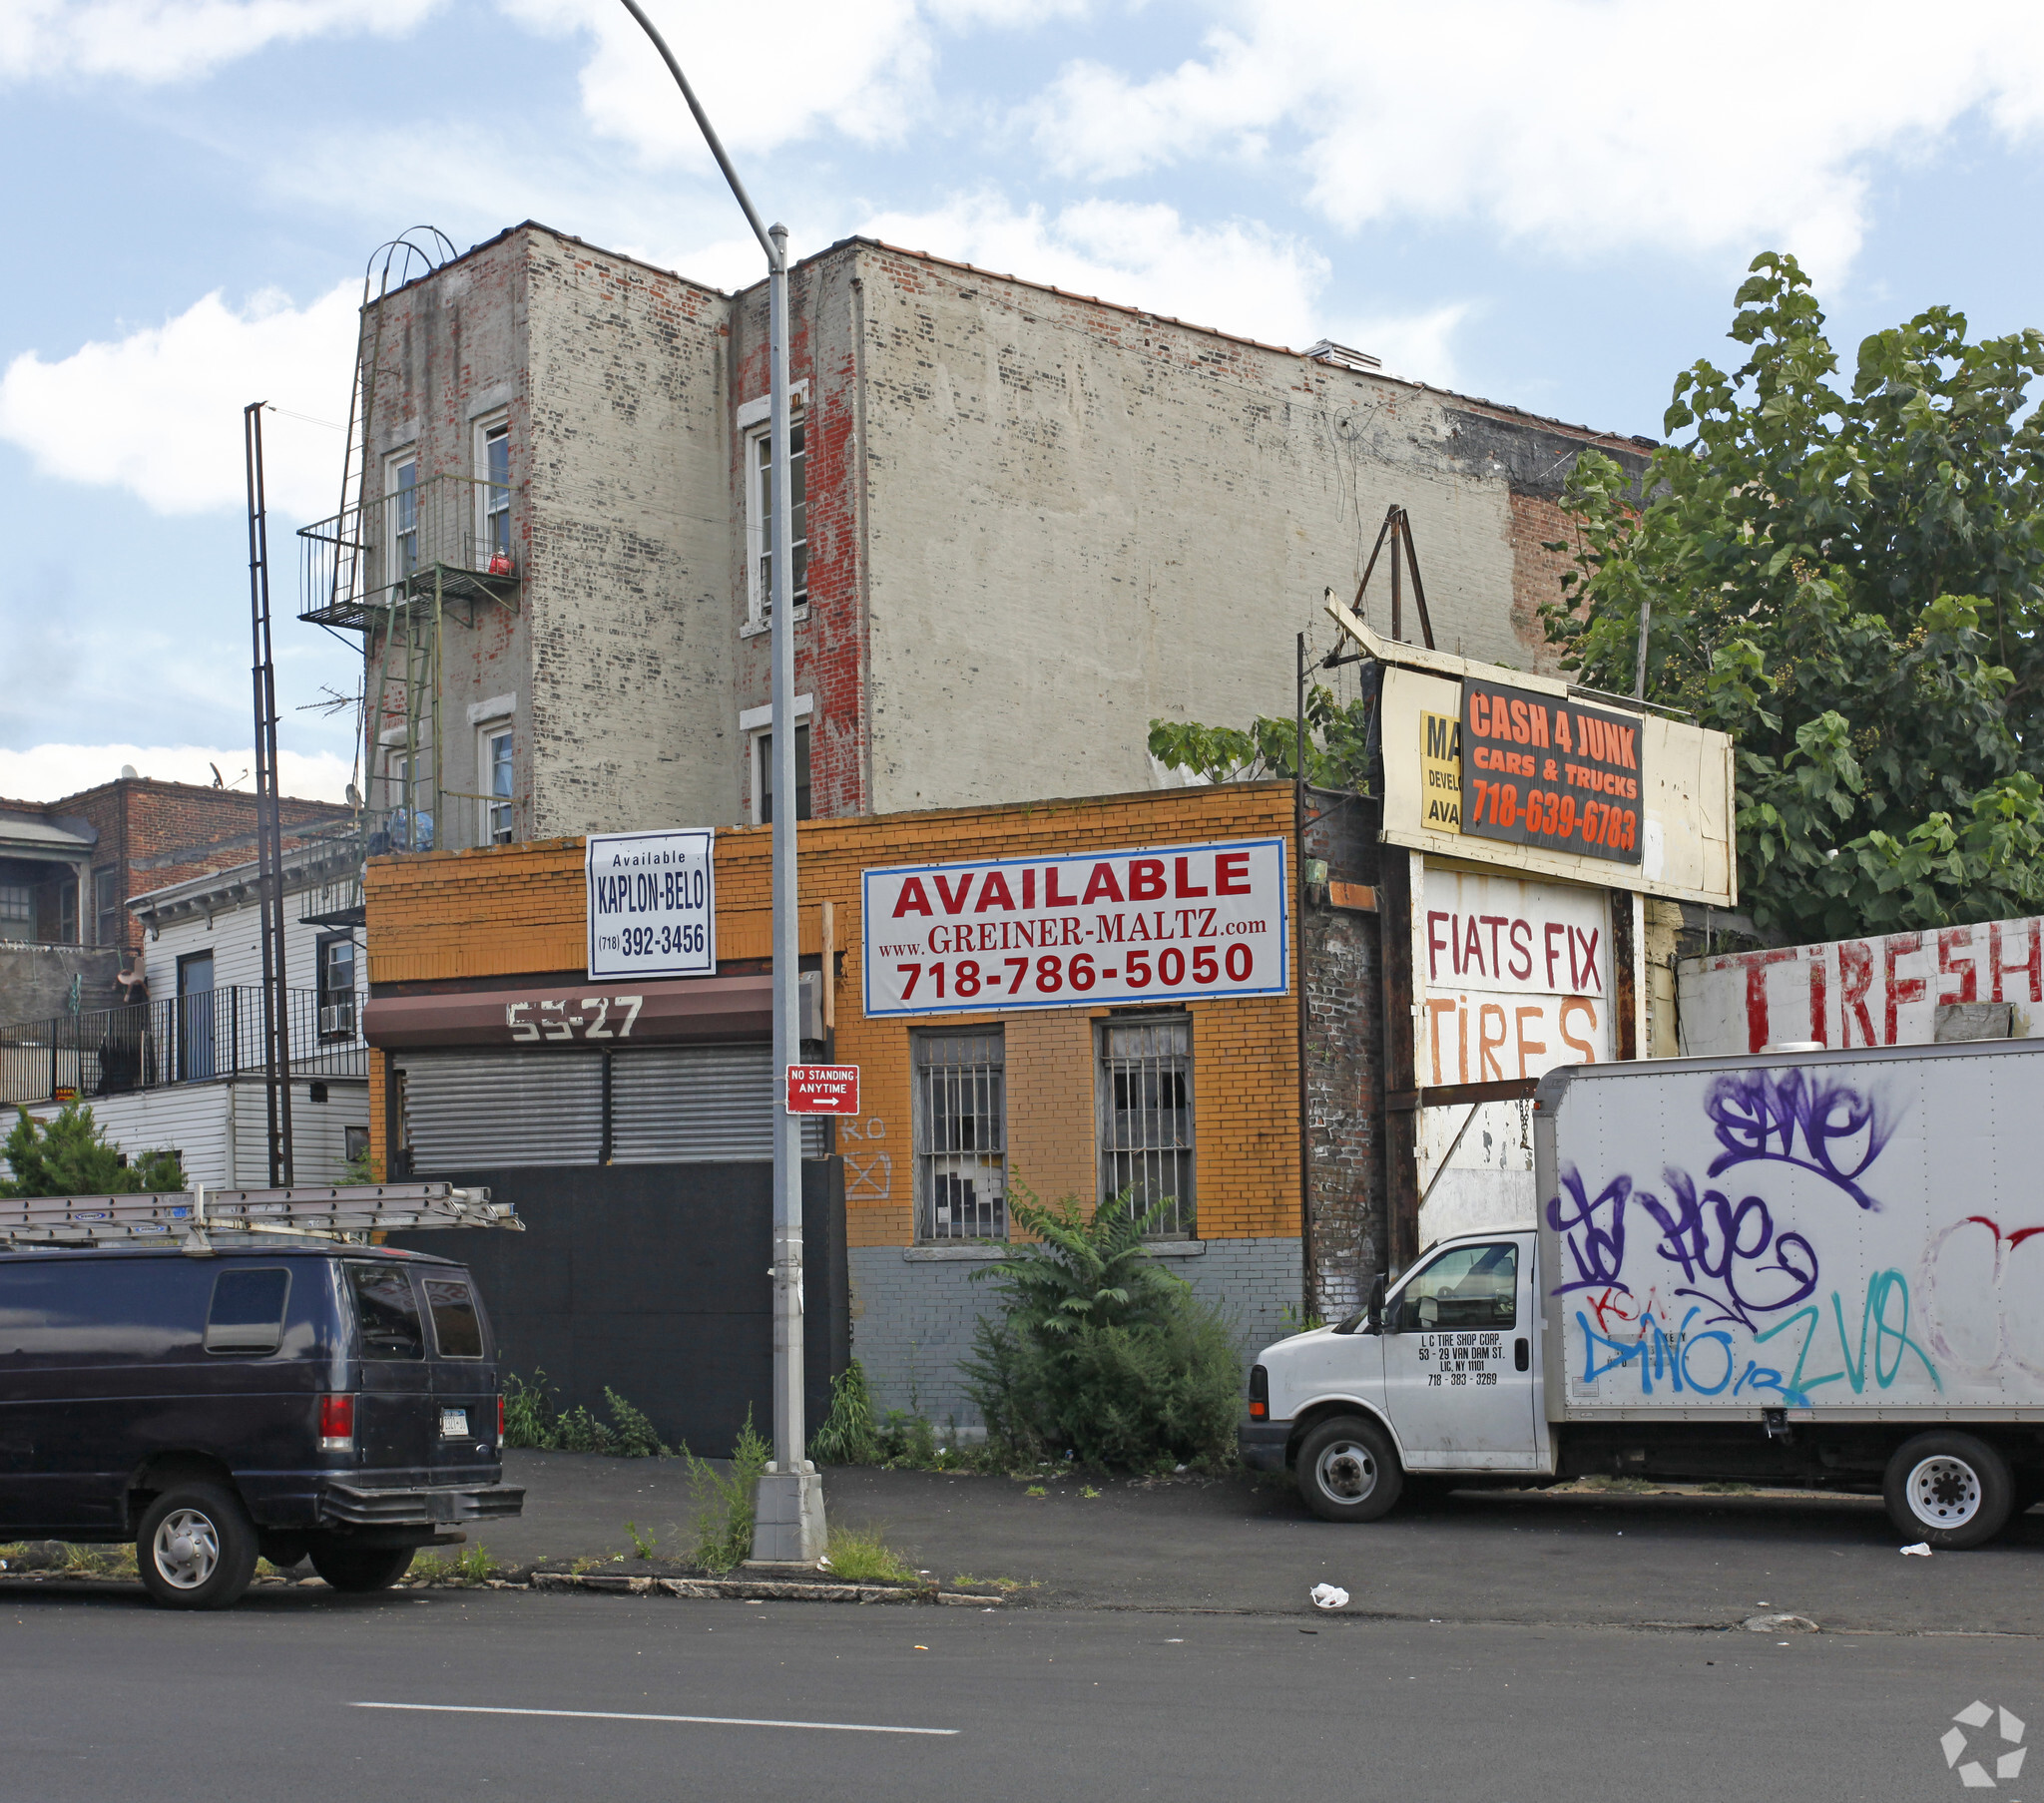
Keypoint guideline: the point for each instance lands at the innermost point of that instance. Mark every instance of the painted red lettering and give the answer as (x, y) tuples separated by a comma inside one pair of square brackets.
[(1907, 989), (1955, 939), (911, 900), (1185, 888), (1230, 873), (1102, 882), (1145, 879)]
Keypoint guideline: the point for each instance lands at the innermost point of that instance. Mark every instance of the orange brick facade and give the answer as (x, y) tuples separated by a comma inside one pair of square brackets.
[(515, 911)]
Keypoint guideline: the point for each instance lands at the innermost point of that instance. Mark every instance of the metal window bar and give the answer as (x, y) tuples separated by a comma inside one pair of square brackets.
[(1145, 1122), (183, 1039), (961, 1137)]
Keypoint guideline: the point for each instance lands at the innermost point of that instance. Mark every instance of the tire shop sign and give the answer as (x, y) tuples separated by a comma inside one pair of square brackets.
[(1176, 923)]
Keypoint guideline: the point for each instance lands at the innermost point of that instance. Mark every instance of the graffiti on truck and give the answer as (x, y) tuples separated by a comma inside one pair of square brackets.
[(1690, 1287)]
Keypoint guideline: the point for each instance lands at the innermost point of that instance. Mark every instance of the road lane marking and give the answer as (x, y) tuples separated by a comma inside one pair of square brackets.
[(710, 1721)]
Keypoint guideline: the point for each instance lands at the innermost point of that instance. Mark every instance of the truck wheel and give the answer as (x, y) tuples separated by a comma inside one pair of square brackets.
[(361, 1568), (1950, 1489), (1348, 1471), (196, 1547)]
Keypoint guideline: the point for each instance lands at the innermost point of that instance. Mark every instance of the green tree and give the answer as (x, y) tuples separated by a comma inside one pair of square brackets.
[(68, 1155), (1849, 582), (1336, 746)]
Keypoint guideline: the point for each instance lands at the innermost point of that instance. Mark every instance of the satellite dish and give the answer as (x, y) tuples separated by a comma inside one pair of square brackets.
[(128, 773)]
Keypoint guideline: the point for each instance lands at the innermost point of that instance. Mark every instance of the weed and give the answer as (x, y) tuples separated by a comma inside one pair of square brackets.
[(1728, 1490), (1297, 1320), (1086, 1491), (644, 1542), (473, 1564), (429, 1567), (966, 1581), (1036, 1490), (723, 1503), (587, 1563), (533, 1419), (849, 1435), (863, 1557)]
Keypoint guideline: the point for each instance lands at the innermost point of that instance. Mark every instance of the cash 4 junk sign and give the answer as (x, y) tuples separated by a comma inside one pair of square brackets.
[(1179, 923)]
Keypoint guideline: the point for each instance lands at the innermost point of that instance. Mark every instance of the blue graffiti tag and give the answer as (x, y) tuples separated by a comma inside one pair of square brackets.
[(1761, 1114), (1892, 1337)]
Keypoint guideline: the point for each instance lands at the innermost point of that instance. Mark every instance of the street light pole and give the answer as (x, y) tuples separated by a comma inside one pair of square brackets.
[(788, 1519)]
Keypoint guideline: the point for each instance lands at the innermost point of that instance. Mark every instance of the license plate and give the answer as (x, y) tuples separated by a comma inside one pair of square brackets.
[(453, 1424)]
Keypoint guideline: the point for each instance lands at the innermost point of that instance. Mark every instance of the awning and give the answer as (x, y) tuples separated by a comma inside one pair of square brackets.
[(591, 1016)]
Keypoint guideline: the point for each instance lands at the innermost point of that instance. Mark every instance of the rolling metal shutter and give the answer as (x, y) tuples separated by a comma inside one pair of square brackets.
[(481, 1110), (697, 1105)]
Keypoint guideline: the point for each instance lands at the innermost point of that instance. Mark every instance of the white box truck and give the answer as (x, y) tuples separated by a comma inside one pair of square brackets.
[(1810, 1269)]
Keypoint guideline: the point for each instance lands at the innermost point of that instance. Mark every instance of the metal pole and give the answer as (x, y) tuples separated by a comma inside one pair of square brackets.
[(787, 1516), (1646, 626), (276, 1064)]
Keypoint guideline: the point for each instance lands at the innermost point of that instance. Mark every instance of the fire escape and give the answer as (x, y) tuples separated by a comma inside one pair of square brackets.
[(409, 548)]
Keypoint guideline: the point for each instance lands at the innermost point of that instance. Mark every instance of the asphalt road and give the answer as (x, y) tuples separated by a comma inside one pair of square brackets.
[(105, 1697)]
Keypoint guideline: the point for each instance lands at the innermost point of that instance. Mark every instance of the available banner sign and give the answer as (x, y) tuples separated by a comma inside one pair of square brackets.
[(1537, 771), (1175, 924), (652, 904)]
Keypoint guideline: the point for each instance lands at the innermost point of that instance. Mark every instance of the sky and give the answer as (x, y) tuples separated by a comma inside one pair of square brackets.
[(1546, 203)]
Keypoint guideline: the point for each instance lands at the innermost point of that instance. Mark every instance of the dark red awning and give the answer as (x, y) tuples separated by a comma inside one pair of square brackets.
[(595, 1015)]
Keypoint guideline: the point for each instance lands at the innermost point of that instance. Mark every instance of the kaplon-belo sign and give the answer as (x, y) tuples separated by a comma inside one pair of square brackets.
[(1505, 768)]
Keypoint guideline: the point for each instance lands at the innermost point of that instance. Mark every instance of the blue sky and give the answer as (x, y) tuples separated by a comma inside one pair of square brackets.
[(1547, 203)]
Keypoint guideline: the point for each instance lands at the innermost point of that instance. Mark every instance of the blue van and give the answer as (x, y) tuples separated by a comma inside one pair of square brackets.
[(271, 1397)]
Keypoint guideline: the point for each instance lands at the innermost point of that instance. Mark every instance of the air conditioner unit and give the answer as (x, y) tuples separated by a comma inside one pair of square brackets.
[(337, 1016)]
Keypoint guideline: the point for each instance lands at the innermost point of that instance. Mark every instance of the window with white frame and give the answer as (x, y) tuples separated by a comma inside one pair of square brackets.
[(759, 517), (493, 496), (401, 515), (495, 765), (961, 1135), (337, 966), (763, 776), (1145, 1119)]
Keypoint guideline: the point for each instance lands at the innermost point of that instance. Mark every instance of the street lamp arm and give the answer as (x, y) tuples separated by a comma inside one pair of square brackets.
[(776, 256)]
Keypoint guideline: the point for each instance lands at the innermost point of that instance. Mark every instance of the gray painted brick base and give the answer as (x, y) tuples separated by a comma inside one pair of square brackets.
[(913, 1315)]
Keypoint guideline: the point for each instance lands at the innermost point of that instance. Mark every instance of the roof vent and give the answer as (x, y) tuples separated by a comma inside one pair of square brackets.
[(1328, 351)]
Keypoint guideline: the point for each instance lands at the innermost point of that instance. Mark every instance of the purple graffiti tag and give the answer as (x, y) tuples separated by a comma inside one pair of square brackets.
[(1599, 1252), (1790, 1117), (1714, 1241)]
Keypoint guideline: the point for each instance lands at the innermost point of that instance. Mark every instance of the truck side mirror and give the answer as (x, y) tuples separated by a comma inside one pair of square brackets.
[(1375, 1315)]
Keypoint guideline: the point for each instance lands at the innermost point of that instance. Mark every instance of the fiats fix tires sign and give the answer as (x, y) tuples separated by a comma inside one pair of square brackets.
[(1179, 923)]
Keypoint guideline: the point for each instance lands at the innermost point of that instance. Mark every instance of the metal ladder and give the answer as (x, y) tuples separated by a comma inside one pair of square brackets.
[(187, 1218)]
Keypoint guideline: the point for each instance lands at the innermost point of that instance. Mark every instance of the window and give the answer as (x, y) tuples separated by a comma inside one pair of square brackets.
[(1146, 1120), (67, 911), (248, 1310), (355, 1143), (493, 467), (495, 764), (961, 1135), (1471, 1286), (388, 1312), (763, 776), (337, 964), (106, 904), (410, 825), (456, 1329), (17, 907), (759, 517), (401, 521)]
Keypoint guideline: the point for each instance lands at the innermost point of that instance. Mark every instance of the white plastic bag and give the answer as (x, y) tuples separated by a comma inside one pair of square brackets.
[(1327, 1596)]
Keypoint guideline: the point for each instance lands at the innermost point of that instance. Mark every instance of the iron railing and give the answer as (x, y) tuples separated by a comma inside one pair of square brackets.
[(187, 1039), (449, 536)]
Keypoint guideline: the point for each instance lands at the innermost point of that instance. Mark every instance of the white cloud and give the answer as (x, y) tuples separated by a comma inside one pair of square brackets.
[(1585, 125), (159, 41), (159, 411), (1239, 276), (46, 772)]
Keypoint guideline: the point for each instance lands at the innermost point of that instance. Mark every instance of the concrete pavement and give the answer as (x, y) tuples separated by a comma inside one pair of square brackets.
[(1238, 1544)]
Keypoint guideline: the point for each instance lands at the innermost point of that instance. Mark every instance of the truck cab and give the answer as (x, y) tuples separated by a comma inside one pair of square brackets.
[(1440, 1374)]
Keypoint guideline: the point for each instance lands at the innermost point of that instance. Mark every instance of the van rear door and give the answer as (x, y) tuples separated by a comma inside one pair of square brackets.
[(396, 1422), (464, 1378)]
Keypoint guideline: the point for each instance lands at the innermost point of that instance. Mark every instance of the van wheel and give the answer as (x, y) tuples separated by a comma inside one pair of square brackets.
[(1950, 1489), (196, 1547), (361, 1568), (1348, 1471)]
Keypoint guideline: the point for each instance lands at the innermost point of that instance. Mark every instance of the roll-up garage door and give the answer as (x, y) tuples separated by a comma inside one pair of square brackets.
[(472, 1111), (697, 1105)]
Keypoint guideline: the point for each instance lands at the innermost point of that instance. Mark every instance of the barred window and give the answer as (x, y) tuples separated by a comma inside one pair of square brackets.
[(1145, 1119), (961, 1135)]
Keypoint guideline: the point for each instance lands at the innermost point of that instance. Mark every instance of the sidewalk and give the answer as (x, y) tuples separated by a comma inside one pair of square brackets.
[(1237, 1544)]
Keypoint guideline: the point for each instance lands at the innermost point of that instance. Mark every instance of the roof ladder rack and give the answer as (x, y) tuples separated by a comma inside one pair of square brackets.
[(347, 1213)]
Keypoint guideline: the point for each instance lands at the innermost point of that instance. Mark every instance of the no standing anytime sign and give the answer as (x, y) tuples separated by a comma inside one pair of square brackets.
[(1179, 923)]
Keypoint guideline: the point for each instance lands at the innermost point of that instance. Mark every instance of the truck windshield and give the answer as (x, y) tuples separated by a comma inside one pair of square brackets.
[(1469, 1287), (387, 1310)]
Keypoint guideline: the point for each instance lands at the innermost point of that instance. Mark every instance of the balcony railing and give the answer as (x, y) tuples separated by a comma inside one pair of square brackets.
[(189, 1039), (450, 534)]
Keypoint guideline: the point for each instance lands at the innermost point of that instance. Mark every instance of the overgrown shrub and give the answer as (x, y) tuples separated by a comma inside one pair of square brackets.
[(68, 1155), (724, 1500), (533, 1419), (1099, 1350), (849, 1435)]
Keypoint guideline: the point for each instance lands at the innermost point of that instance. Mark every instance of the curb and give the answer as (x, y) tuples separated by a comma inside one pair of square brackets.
[(743, 1590)]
